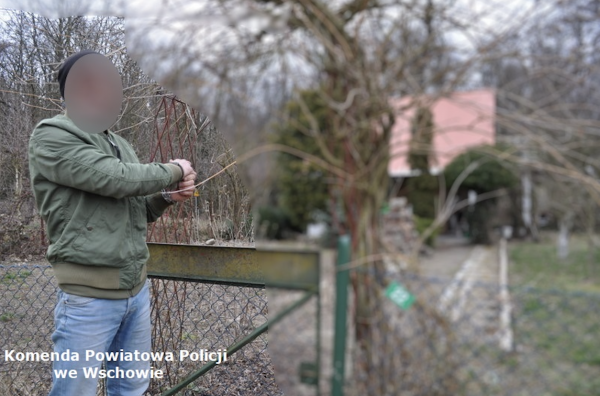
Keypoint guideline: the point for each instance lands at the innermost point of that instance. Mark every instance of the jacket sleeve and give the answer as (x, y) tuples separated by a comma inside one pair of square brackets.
[(155, 206), (64, 158)]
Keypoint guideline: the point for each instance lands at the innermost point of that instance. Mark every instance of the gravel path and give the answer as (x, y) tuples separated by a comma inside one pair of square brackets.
[(471, 298)]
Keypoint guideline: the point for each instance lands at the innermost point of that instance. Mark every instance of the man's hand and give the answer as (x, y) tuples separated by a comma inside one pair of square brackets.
[(187, 185), (186, 166)]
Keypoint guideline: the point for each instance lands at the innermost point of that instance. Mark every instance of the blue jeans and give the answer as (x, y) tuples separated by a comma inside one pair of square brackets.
[(90, 327)]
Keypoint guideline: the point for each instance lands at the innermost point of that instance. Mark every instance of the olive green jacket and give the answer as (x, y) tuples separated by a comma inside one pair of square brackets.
[(96, 207)]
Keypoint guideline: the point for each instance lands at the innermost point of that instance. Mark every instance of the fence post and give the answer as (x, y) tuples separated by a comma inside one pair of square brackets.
[(341, 304)]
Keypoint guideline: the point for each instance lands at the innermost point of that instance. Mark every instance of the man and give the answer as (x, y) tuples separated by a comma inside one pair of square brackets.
[(96, 199)]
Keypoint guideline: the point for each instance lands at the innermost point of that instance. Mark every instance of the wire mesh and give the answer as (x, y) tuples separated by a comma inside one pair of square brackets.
[(198, 316), (186, 316), (420, 351), (458, 346)]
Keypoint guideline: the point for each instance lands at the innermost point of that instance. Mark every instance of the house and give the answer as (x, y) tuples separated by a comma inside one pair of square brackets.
[(461, 121)]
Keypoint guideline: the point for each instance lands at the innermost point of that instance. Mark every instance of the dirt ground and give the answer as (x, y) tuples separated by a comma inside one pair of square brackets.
[(446, 259)]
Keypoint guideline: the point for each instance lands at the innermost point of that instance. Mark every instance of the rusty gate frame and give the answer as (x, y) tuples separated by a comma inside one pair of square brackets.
[(272, 266)]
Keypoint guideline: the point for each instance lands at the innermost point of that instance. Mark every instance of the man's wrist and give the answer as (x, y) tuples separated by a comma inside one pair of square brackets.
[(167, 197), (180, 167)]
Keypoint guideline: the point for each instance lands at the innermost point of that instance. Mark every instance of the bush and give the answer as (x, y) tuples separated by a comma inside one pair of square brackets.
[(273, 222), (492, 174), (421, 224)]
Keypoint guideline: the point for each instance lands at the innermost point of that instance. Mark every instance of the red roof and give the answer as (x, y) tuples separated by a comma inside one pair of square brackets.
[(461, 121)]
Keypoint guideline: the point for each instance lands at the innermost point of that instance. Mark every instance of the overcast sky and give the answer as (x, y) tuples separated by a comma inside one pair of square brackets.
[(481, 14), (192, 34)]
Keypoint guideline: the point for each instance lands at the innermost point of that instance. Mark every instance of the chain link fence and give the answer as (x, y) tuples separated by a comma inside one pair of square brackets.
[(185, 316), (465, 345), (436, 346)]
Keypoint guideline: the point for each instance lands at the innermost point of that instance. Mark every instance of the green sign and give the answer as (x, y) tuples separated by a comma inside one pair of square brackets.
[(399, 295)]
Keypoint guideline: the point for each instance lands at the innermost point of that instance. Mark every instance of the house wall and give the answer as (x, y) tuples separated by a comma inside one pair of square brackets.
[(461, 121)]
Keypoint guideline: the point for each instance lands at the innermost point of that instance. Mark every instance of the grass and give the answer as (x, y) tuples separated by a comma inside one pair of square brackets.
[(554, 320), (5, 317), (11, 277), (537, 265), (563, 326)]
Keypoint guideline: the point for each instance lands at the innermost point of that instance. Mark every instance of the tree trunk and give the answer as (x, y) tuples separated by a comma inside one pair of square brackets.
[(562, 242), (527, 206), (591, 237)]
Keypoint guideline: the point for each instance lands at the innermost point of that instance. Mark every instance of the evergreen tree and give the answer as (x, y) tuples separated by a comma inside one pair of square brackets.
[(301, 186), (422, 189)]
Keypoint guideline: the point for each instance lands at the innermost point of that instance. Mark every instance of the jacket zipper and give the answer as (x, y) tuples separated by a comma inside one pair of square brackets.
[(113, 144), (118, 151)]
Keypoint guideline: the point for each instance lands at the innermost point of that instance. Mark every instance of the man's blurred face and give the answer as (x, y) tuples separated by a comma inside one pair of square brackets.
[(93, 93)]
